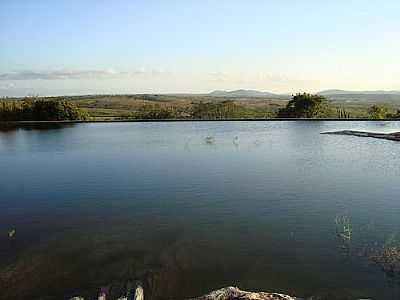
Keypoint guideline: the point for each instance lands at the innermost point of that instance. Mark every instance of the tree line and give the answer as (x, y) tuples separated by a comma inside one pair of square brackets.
[(300, 106), (316, 106), (201, 110), (303, 105), (40, 110)]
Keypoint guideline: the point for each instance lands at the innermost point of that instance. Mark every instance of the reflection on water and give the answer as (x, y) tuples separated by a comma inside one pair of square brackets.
[(191, 207), (12, 127)]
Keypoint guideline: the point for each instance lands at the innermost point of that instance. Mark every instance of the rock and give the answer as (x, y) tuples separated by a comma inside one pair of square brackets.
[(139, 293), (102, 296), (229, 293), (233, 293)]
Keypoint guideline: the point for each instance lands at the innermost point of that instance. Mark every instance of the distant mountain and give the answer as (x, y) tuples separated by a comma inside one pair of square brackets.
[(244, 94), (362, 96), (343, 92)]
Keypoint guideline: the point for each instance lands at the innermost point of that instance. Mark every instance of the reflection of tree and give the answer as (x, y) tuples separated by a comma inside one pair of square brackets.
[(11, 127)]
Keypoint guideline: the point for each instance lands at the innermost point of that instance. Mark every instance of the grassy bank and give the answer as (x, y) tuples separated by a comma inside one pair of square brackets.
[(154, 107)]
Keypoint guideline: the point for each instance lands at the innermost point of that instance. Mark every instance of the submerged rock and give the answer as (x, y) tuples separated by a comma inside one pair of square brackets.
[(394, 136)]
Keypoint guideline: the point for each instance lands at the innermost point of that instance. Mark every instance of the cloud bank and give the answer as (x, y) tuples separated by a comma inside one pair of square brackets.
[(75, 74), (145, 80)]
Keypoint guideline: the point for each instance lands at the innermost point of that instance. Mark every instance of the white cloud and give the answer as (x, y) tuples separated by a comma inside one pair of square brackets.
[(77, 74)]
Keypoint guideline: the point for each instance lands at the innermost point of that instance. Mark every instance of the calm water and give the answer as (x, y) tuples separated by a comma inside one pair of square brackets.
[(191, 207)]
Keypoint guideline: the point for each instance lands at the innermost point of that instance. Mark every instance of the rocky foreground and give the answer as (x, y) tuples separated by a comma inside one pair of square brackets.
[(229, 293), (394, 136), (233, 293)]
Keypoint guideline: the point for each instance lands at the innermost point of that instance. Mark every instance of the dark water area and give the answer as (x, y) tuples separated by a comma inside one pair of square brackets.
[(191, 207)]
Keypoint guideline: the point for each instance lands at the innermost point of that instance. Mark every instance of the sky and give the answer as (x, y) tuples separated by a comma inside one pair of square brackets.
[(56, 47)]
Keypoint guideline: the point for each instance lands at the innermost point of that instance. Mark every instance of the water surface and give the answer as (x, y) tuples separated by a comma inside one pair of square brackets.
[(189, 207)]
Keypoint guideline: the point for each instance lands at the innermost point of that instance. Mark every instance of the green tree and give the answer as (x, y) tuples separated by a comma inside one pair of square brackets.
[(306, 106), (395, 115), (377, 112), (40, 110)]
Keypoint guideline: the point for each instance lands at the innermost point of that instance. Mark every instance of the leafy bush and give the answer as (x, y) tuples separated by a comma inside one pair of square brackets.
[(40, 110), (395, 115), (306, 106), (377, 112)]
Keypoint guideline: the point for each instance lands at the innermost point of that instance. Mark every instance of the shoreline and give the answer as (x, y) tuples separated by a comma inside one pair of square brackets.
[(198, 120)]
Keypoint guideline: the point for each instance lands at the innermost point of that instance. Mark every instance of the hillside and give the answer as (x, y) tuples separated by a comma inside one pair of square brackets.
[(384, 97), (247, 94)]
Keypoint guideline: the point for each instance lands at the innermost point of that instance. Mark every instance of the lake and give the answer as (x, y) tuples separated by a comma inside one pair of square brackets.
[(189, 207)]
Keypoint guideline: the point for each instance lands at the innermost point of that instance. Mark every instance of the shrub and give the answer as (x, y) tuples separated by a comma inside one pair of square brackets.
[(40, 110), (377, 112), (306, 106)]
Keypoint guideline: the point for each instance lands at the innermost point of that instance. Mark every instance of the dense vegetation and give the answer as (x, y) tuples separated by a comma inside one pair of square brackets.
[(395, 115), (219, 110), (382, 112), (40, 110), (111, 107), (307, 106), (155, 111), (228, 109), (377, 112)]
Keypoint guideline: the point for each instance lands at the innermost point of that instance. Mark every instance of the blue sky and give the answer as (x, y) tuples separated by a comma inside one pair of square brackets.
[(128, 46)]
